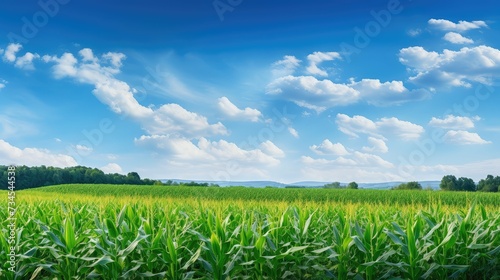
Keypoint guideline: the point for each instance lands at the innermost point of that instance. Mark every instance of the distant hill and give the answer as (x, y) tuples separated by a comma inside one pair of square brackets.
[(309, 184)]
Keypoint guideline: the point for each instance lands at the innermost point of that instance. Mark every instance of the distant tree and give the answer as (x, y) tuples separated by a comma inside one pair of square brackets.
[(448, 183), (408, 186), (334, 185), (490, 184), (352, 185), (466, 184), (451, 183), (133, 178)]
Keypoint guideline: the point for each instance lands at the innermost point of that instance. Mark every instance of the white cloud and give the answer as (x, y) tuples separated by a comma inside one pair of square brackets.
[(229, 109), (115, 59), (270, 148), (414, 32), (311, 93), (2, 83), (293, 132), (418, 58), (183, 149), (10, 154), (168, 118), (286, 66), (65, 65), (356, 166), (452, 68), (88, 55), (366, 159), (318, 57), (456, 38), (377, 146), (83, 150), (10, 53), (328, 148), (320, 94), (26, 61), (464, 137), (173, 118), (402, 129), (454, 122), (461, 26), (355, 125), (112, 168), (356, 159), (388, 93)]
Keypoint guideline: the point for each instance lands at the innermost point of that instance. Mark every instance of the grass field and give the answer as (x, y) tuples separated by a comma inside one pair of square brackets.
[(158, 232)]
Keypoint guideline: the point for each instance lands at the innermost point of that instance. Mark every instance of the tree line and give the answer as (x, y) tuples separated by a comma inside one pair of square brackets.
[(489, 184), (337, 185), (39, 176)]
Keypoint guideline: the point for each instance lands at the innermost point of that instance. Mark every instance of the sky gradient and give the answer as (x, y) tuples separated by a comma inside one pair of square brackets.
[(366, 91)]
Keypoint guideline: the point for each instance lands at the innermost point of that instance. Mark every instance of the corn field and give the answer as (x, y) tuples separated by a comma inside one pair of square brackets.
[(113, 232)]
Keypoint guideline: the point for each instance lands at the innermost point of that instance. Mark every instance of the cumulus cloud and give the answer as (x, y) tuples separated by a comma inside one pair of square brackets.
[(26, 61), (205, 151), (293, 132), (453, 68), (380, 93), (173, 118), (356, 159), (2, 83), (119, 96), (464, 137), (112, 168), (454, 122), (10, 154), (9, 54), (286, 66), (316, 58), (88, 55), (83, 150), (377, 146), (356, 166), (320, 94), (271, 149), (457, 38), (23, 62), (229, 109), (328, 148), (311, 93), (353, 126), (461, 26)]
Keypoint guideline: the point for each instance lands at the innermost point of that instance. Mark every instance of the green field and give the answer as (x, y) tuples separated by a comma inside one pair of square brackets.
[(160, 232)]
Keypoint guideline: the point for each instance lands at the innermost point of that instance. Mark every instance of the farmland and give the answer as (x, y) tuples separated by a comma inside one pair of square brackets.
[(159, 232)]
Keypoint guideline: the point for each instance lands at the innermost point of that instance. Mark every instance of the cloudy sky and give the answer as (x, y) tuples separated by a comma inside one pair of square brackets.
[(345, 90)]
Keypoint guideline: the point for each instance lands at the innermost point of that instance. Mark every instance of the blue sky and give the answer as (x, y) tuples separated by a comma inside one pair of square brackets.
[(366, 91)]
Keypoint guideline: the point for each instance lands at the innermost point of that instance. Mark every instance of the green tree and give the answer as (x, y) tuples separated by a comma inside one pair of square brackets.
[(409, 186), (490, 184), (133, 178), (352, 185), (466, 184), (334, 185), (448, 183)]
